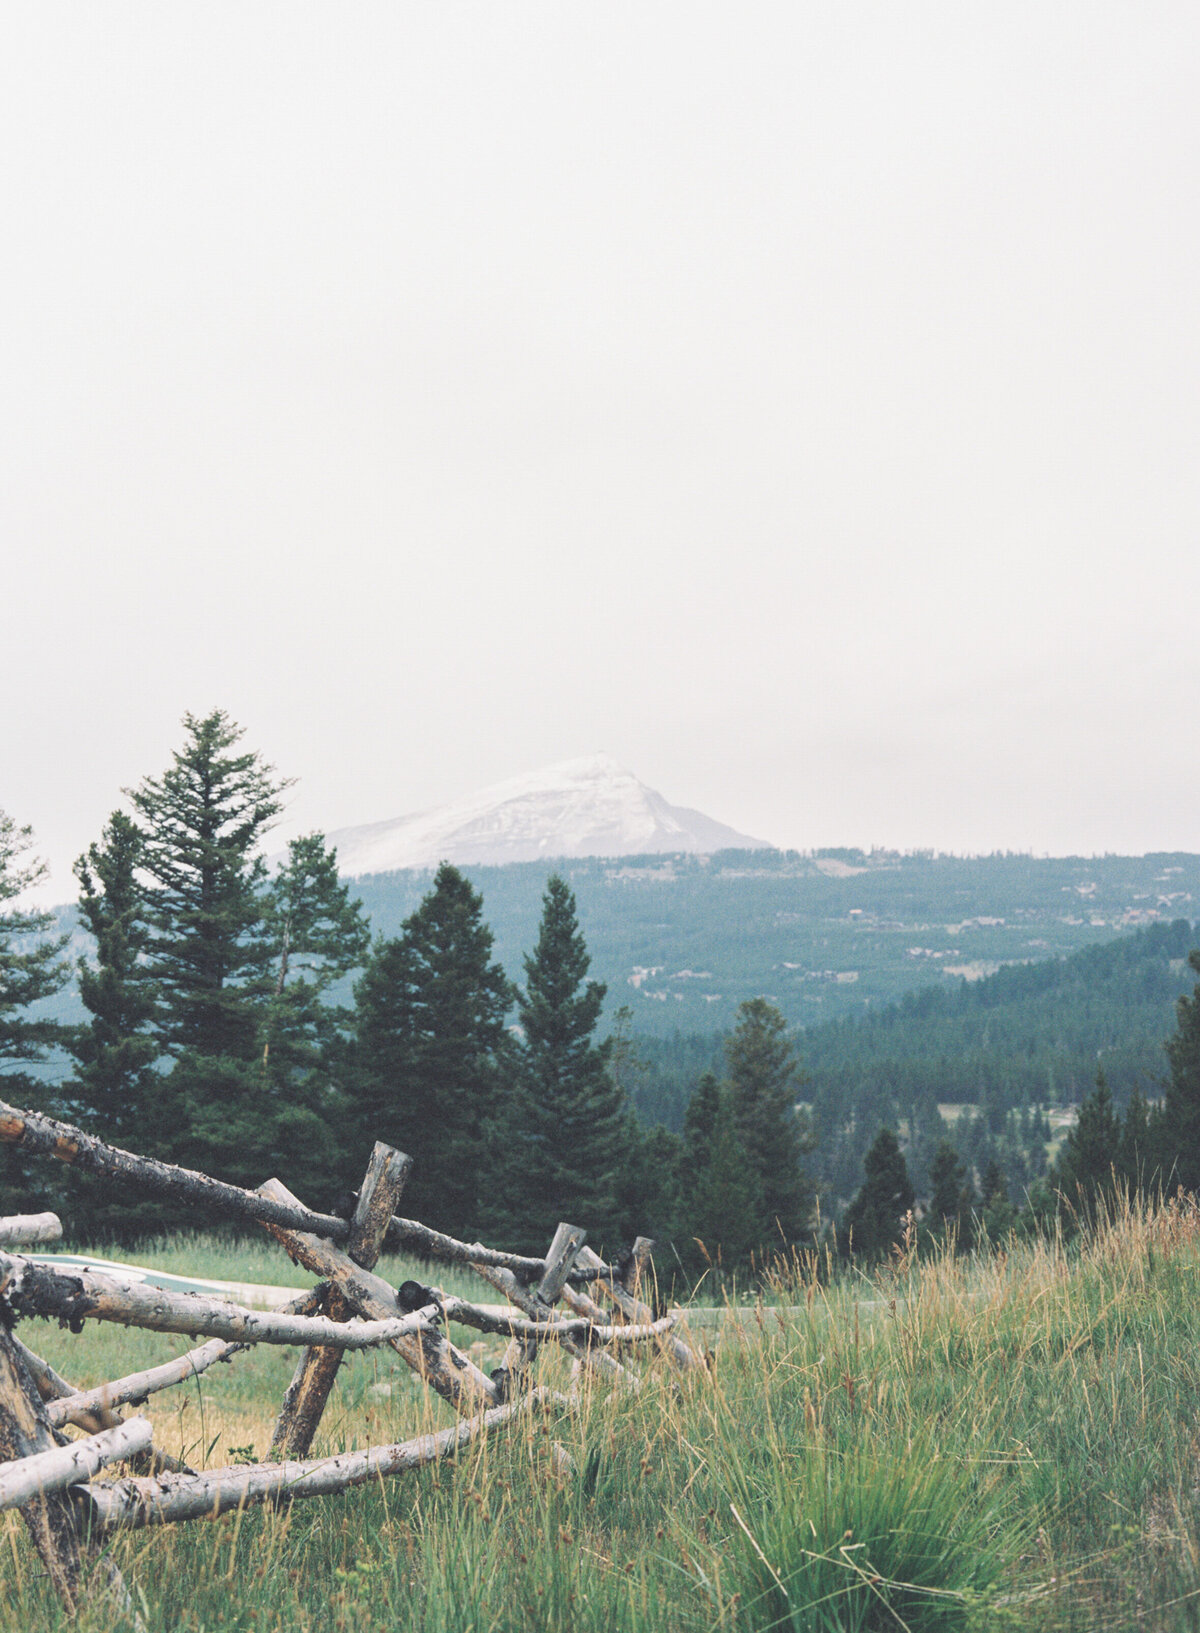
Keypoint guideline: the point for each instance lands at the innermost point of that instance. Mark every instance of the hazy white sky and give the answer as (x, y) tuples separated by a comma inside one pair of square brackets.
[(798, 402)]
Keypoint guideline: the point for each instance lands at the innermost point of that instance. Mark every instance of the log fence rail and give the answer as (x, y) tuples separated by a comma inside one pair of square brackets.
[(49, 1477)]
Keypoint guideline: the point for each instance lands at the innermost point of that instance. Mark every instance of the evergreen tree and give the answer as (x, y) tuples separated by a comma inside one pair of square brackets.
[(319, 935), (1091, 1150), (997, 1212), (115, 1090), (874, 1222), (202, 822), (212, 948), (723, 1213), (763, 1080), (1180, 1125), (31, 968), (1135, 1153), (646, 1194), (946, 1176), (952, 1200), (574, 1114), (699, 1127), (115, 1054), (431, 1051)]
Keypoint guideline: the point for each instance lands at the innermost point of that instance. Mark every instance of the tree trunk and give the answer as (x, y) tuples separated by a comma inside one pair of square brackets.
[(22, 1229)]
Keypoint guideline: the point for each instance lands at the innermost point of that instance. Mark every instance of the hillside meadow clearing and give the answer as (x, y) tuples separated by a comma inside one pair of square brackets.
[(1004, 1441)]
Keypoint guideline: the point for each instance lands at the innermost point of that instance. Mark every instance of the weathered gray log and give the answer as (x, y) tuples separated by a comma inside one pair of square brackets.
[(309, 1389), (634, 1308), (93, 1409), (505, 1282), (67, 1404), (453, 1375), (45, 1136), (62, 1466), (24, 1432), (564, 1245), (32, 1289), (133, 1389), (501, 1319), (137, 1503), (51, 1387), (23, 1229)]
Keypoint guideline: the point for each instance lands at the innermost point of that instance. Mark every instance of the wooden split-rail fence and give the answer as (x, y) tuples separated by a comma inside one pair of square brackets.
[(593, 1310)]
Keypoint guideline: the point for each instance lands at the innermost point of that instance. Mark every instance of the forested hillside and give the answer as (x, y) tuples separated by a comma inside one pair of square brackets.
[(1029, 1034), (979, 1061), (684, 940)]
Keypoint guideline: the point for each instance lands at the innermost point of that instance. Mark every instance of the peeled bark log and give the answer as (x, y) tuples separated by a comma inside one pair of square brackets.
[(23, 1229), (45, 1136), (62, 1466), (505, 1282), (137, 1503), (24, 1432), (136, 1386), (430, 1355), (498, 1318), (76, 1295), (564, 1245), (633, 1307), (66, 1404), (309, 1389)]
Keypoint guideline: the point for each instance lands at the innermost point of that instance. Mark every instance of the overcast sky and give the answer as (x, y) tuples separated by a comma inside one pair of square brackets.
[(798, 402)]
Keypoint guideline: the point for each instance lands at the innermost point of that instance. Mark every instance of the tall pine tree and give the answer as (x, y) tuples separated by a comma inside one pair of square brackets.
[(874, 1222), (431, 1049), (1088, 1160), (115, 1090), (763, 1081), (573, 1115), (722, 1217), (115, 1053), (319, 936), (202, 822), (31, 968), (1180, 1123)]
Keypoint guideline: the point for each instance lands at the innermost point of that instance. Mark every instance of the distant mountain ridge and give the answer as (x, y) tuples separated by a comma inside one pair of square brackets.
[(590, 806)]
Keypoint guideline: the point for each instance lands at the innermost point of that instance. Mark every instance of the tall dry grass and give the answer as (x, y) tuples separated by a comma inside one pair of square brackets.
[(1003, 1440)]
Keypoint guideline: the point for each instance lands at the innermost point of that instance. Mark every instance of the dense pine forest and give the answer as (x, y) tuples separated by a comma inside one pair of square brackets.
[(249, 1019)]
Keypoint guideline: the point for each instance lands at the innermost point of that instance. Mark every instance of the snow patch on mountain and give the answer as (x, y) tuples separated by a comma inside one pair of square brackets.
[(585, 807)]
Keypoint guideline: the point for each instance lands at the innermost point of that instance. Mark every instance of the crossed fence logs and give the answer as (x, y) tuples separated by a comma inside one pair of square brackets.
[(49, 1477)]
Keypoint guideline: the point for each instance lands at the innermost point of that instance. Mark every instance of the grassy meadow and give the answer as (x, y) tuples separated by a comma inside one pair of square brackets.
[(1006, 1441)]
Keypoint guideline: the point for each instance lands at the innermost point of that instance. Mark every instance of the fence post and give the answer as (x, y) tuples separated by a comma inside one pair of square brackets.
[(387, 1172), (565, 1244), (629, 1304), (24, 1431), (452, 1374)]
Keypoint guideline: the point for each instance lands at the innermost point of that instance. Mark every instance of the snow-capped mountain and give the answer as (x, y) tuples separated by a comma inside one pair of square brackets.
[(586, 807)]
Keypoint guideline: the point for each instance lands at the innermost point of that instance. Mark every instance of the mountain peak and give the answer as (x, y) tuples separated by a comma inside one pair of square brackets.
[(590, 806)]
